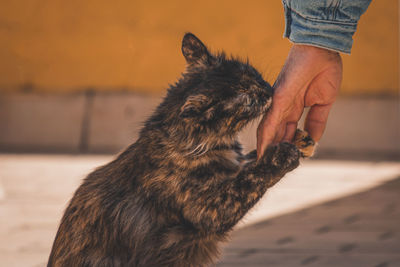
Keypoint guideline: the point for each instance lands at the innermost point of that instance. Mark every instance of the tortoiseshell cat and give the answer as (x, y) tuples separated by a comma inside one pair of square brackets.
[(172, 196)]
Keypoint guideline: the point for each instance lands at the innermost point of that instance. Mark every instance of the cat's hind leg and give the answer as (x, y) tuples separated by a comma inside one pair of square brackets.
[(304, 143)]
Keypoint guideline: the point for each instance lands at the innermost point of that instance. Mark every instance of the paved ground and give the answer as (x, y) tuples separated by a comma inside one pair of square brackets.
[(360, 230), (326, 213)]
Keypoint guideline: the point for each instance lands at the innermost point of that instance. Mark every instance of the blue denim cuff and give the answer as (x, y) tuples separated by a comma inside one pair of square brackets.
[(329, 34)]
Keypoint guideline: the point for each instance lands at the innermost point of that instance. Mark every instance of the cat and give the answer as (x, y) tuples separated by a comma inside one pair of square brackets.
[(172, 196)]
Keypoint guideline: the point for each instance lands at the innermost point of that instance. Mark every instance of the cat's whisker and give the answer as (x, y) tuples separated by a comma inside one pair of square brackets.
[(204, 149), (195, 150)]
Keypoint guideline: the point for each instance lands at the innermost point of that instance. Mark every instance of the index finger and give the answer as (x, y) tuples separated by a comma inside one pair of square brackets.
[(266, 131)]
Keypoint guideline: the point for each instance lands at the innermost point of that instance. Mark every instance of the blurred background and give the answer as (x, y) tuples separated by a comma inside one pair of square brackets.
[(78, 78)]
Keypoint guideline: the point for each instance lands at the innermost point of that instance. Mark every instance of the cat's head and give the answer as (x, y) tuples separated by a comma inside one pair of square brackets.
[(216, 94)]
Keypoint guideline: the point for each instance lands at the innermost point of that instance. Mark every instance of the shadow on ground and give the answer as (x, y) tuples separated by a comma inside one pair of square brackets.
[(359, 230)]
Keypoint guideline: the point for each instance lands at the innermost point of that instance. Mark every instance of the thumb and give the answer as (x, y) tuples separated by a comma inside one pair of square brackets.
[(316, 121)]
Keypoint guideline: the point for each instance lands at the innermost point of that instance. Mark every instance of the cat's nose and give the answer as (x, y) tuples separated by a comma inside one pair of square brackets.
[(269, 90)]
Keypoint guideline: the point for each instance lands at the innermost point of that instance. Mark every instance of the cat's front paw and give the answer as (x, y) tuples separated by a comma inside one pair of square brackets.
[(304, 143), (283, 157)]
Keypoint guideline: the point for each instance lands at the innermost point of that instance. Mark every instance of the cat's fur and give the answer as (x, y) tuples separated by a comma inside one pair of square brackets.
[(173, 195)]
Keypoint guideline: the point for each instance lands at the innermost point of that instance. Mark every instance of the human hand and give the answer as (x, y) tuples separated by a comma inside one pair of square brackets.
[(311, 77)]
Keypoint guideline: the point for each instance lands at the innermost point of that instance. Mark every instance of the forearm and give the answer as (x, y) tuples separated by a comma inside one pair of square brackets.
[(331, 26)]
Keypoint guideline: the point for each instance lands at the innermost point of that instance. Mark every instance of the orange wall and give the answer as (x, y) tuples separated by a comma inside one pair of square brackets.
[(65, 46)]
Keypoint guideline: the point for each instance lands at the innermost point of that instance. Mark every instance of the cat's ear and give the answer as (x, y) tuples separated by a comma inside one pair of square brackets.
[(194, 51), (194, 106)]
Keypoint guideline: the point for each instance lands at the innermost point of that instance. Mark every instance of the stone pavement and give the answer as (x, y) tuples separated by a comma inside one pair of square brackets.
[(357, 223)]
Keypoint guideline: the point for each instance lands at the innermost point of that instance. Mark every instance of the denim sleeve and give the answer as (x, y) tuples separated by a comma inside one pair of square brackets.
[(324, 23)]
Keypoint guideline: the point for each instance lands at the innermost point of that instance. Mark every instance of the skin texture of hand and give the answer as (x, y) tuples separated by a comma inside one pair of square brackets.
[(311, 77)]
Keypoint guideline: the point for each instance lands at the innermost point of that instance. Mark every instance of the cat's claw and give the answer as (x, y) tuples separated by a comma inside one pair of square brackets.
[(304, 143)]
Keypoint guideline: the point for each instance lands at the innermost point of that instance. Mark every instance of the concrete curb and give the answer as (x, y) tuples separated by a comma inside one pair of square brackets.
[(92, 122)]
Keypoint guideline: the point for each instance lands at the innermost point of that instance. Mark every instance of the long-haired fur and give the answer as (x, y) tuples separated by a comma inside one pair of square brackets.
[(171, 197)]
